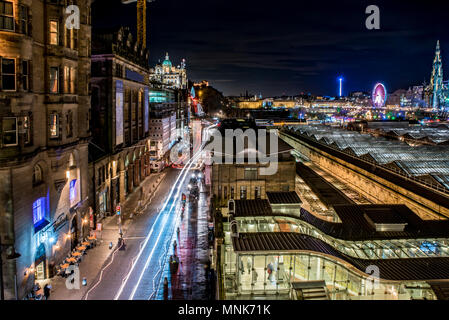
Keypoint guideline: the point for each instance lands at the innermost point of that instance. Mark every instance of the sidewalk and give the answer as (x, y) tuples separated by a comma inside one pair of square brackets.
[(95, 258)]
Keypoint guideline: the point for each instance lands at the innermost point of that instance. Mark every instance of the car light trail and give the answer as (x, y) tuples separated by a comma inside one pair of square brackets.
[(166, 216), (176, 186)]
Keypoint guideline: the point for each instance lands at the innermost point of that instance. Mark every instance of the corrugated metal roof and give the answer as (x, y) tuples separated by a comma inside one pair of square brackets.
[(249, 208), (283, 197), (437, 153)]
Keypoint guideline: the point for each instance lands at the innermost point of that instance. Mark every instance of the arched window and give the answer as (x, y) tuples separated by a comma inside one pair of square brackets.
[(37, 174)]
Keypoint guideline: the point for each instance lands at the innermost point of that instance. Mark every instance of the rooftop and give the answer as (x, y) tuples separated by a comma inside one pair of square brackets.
[(283, 198), (257, 207)]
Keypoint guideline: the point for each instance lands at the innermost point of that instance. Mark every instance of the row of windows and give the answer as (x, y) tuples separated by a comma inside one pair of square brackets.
[(12, 127), (9, 76), (243, 193), (69, 78), (223, 192)]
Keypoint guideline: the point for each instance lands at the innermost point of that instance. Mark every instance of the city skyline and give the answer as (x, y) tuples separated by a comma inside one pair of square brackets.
[(276, 50)]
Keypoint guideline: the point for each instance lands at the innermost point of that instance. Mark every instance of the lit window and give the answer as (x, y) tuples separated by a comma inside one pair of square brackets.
[(66, 79), (54, 79), (26, 130), (72, 80), (54, 34), (54, 125), (38, 211), (72, 190), (8, 74), (243, 192), (6, 16)]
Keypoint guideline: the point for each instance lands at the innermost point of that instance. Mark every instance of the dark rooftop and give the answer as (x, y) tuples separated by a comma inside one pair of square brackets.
[(383, 215), (326, 192), (390, 269), (256, 208), (283, 197), (355, 226)]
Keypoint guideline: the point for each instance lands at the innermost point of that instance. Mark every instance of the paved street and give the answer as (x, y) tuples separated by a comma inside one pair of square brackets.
[(135, 236), (137, 273), (190, 282)]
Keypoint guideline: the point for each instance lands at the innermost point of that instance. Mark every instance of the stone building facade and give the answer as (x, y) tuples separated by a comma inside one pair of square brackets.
[(120, 150), (44, 128), (245, 181)]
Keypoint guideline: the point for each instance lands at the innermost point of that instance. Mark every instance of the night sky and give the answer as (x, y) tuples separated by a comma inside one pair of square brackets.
[(291, 46)]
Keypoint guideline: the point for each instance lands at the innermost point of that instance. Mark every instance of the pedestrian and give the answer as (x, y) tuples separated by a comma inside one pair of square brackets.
[(255, 275), (47, 288), (165, 288), (270, 270), (249, 263)]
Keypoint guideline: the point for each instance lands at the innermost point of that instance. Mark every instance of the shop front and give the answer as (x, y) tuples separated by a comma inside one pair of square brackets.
[(272, 274)]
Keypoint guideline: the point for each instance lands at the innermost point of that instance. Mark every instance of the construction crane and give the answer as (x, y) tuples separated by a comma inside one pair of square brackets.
[(141, 20)]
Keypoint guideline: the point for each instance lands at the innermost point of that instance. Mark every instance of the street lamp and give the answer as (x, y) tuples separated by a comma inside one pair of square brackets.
[(12, 256)]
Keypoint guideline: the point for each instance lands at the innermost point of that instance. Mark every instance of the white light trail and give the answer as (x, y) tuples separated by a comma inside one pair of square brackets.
[(182, 176)]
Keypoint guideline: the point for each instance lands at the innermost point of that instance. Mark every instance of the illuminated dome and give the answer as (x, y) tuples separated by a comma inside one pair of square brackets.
[(167, 62)]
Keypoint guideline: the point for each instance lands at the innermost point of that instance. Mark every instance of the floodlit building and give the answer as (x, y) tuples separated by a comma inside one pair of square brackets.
[(437, 92), (45, 128), (170, 76)]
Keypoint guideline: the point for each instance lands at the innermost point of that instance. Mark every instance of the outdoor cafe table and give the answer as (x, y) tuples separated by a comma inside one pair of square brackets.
[(65, 266), (76, 254), (85, 243), (72, 260), (91, 238), (82, 248)]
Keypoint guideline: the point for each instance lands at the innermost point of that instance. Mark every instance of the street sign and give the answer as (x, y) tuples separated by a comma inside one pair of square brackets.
[(99, 226)]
